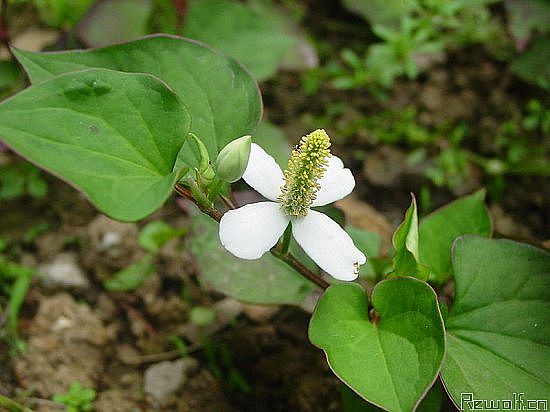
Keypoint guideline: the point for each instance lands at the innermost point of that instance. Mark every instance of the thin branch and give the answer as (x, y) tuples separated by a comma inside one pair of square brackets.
[(162, 356), (210, 211), (276, 251)]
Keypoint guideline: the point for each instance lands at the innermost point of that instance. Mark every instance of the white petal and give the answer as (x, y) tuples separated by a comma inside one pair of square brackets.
[(328, 245), (336, 183), (250, 231), (263, 173)]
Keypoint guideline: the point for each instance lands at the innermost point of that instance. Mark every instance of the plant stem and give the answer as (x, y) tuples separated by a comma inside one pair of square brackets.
[(277, 251), (286, 239), (181, 8), (210, 210)]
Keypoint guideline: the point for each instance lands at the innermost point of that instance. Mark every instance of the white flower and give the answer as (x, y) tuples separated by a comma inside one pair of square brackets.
[(250, 231)]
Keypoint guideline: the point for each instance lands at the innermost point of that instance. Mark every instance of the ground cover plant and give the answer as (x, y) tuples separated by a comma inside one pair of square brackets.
[(163, 246)]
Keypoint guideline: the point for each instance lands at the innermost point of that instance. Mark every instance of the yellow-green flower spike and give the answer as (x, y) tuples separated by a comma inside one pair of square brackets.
[(306, 166)]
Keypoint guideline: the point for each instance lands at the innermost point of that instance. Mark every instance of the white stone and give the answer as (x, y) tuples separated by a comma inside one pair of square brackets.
[(63, 271), (164, 379)]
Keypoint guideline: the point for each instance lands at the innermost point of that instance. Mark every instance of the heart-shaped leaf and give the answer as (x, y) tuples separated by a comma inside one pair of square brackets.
[(266, 280), (301, 53), (437, 232), (240, 32), (221, 96), (392, 361), (115, 136), (498, 331)]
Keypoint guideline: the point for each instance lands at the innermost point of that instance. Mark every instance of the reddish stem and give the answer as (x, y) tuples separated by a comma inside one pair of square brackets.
[(181, 9)]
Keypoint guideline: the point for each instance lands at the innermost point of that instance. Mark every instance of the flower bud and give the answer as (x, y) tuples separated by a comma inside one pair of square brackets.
[(233, 159)]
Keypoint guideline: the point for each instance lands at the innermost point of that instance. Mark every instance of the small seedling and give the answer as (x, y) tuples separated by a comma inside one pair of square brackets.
[(77, 398), (15, 280), (180, 345)]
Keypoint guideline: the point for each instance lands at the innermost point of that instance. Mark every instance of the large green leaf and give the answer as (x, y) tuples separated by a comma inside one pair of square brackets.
[(113, 135), (300, 53), (221, 96), (266, 280), (438, 231), (240, 32), (498, 331), (391, 362)]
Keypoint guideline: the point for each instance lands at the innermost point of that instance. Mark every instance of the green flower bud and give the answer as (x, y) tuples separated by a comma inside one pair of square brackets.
[(233, 159)]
